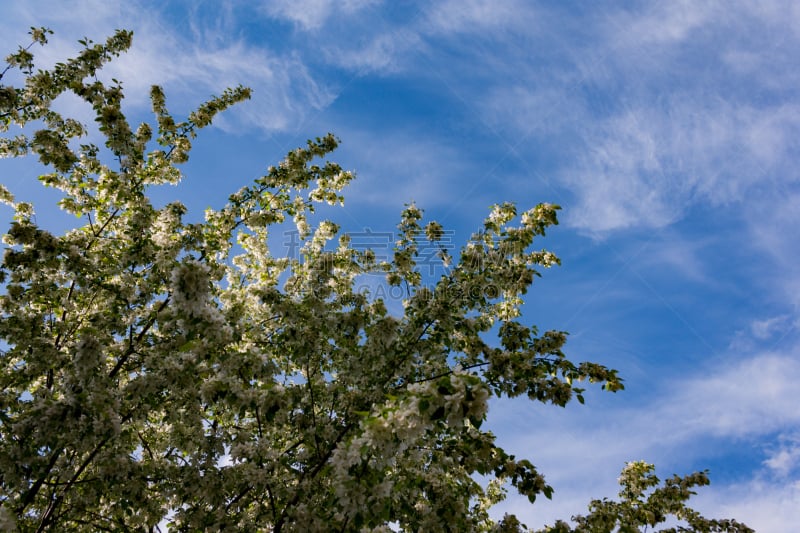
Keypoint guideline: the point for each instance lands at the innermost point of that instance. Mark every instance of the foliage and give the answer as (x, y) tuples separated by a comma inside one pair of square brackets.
[(154, 367), (641, 507)]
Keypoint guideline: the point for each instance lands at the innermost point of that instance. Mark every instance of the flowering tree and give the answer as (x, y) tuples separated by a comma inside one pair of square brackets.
[(154, 369)]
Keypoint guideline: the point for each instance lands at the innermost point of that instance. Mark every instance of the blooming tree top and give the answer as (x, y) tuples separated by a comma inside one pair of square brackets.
[(158, 369)]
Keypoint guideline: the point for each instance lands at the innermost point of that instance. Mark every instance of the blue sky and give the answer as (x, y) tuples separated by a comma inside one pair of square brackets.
[(668, 131)]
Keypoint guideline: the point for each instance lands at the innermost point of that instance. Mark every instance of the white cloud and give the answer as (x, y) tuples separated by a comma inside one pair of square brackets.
[(190, 66), (661, 24), (752, 398), (677, 254), (786, 458), (405, 165), (764, 329), (470, 16), (646, 166), (379, 53), (87, 16), (770, 220), (312, 14), (621, 180), (649, 112), (760, 503), (284, 91), (750, 402)]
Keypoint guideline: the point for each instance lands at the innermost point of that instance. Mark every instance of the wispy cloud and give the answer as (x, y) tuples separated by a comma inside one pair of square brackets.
[(404, 165), (379, 53), (192, 65), (785, 459), (771, 216), (312, 14), (474, 16), (672, 120), (646, 166), (769, 327), (769, 506), (660, 24), (749, 401)]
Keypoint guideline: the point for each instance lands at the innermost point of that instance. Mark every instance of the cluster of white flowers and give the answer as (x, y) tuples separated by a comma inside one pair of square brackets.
[(324, 232), (476, 407), (542, 213), (191, 297), (549, 259), (383, 438), (508, 307), (341, 179), (302, 225), (163, 229), (327, 189), (528, 218), (388, 434), (501, 214), (6, 197), (542, 258)]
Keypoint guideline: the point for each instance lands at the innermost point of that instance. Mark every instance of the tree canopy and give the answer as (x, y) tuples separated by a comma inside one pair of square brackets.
[(155, 369)]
